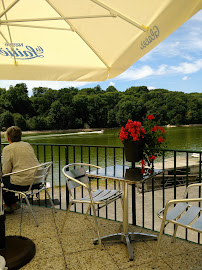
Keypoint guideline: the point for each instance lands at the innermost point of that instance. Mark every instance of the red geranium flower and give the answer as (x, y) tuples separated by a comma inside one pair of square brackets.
[(132, 131), (161, 139), (152, 157), (162, 129), (154, 128), (149, 133), (151, 117)]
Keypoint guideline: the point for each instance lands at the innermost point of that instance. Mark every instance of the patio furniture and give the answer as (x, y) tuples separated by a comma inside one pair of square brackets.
[(78, 177), (84, 27), (182, 214), (37, 185), (127, 176)]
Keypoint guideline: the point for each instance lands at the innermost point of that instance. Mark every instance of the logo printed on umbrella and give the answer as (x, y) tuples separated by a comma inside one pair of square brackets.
[(154, 34), (25, 53)]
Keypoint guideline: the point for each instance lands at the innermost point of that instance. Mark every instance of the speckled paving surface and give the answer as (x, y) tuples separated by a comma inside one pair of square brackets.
[(80, 253)]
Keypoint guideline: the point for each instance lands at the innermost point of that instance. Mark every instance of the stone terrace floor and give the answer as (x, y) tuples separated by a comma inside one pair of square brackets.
[(74, 250)]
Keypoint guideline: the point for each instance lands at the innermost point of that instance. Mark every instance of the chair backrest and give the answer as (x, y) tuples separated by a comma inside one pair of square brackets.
[(42, 172), (77, 174)]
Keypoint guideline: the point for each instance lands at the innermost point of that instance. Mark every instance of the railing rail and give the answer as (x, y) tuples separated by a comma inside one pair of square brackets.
[(180, 169)]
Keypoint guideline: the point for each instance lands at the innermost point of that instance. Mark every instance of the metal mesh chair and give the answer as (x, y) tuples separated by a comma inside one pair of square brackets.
[(78, 177), (40, 177), (182, 214)]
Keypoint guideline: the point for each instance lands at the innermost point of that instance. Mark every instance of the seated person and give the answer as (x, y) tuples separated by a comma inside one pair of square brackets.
[(16, 156)]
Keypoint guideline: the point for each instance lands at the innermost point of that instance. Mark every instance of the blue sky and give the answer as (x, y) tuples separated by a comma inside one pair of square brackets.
[(175, 64)]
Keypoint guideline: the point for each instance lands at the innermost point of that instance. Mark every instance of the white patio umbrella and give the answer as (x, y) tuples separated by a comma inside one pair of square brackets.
[(83, 40), (79, 40)]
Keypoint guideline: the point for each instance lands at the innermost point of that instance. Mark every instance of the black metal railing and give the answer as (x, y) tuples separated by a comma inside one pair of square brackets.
[(180, 169)]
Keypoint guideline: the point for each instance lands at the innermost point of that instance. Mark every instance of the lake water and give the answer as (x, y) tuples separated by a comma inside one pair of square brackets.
[(186, 138)]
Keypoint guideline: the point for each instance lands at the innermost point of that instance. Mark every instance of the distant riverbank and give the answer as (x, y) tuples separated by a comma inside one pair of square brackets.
[(94, 129), (27, 132), (191, 125), (58, 131)]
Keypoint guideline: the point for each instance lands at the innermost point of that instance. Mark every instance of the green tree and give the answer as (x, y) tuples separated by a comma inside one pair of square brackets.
[(130, 108), (58, 116), (19, 121), (97, 114), (111, 118), (39, 91), (37, 123), (80, 108), (42, 100), (194, 109), (136, 91), (6, 119), (4, 104), (111, 89), (93, 107), (18, 99)]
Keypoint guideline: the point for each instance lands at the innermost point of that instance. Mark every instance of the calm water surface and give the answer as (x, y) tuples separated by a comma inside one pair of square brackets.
[(187, 138)]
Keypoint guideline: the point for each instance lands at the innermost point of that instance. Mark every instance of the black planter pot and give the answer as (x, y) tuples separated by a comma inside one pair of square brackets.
[(134, 151)]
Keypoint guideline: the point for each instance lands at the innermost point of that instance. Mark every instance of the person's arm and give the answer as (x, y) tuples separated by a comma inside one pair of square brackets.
[(6, 161)]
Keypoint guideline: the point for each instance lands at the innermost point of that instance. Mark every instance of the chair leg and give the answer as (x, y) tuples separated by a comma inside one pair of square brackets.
[(158, 244), (21, 210), (68, 209), (88, 210), (96, 222), (122, 202), (53, 206), (27, 201), (174, 234)]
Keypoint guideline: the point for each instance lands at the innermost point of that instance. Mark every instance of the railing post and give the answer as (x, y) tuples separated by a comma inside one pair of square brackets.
[(200, 164), (175, 172), (67, 162), (60, 195)]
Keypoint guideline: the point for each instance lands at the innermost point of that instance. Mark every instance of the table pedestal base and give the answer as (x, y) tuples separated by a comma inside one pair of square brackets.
[(127, 238), (18, 252)]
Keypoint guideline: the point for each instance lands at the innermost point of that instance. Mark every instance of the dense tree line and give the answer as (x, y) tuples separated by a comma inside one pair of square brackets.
[(95, 108)]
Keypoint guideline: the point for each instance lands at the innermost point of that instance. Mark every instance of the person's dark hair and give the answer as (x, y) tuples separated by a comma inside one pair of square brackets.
[(14, 133)]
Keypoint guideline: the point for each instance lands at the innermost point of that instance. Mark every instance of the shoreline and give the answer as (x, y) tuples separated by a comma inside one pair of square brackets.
[(95, 129), (89, 129), (190, 125)]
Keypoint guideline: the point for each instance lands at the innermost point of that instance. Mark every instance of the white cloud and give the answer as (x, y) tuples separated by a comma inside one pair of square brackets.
[(136, 73), (184, 78), (161, 70), (187, 68), (151, 87), (112, 83), (133, 73)]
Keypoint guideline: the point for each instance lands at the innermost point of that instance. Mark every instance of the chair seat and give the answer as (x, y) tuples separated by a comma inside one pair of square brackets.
[(77, 177), (183, 214), (102, 196), (37, 185), (189, 215), (198, 224), (176, 211)]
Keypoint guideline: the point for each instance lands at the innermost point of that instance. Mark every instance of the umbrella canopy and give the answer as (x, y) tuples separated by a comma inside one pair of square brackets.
[(83, 40)]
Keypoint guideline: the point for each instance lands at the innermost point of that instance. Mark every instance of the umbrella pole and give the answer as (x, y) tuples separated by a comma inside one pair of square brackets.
[(16, 250)]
